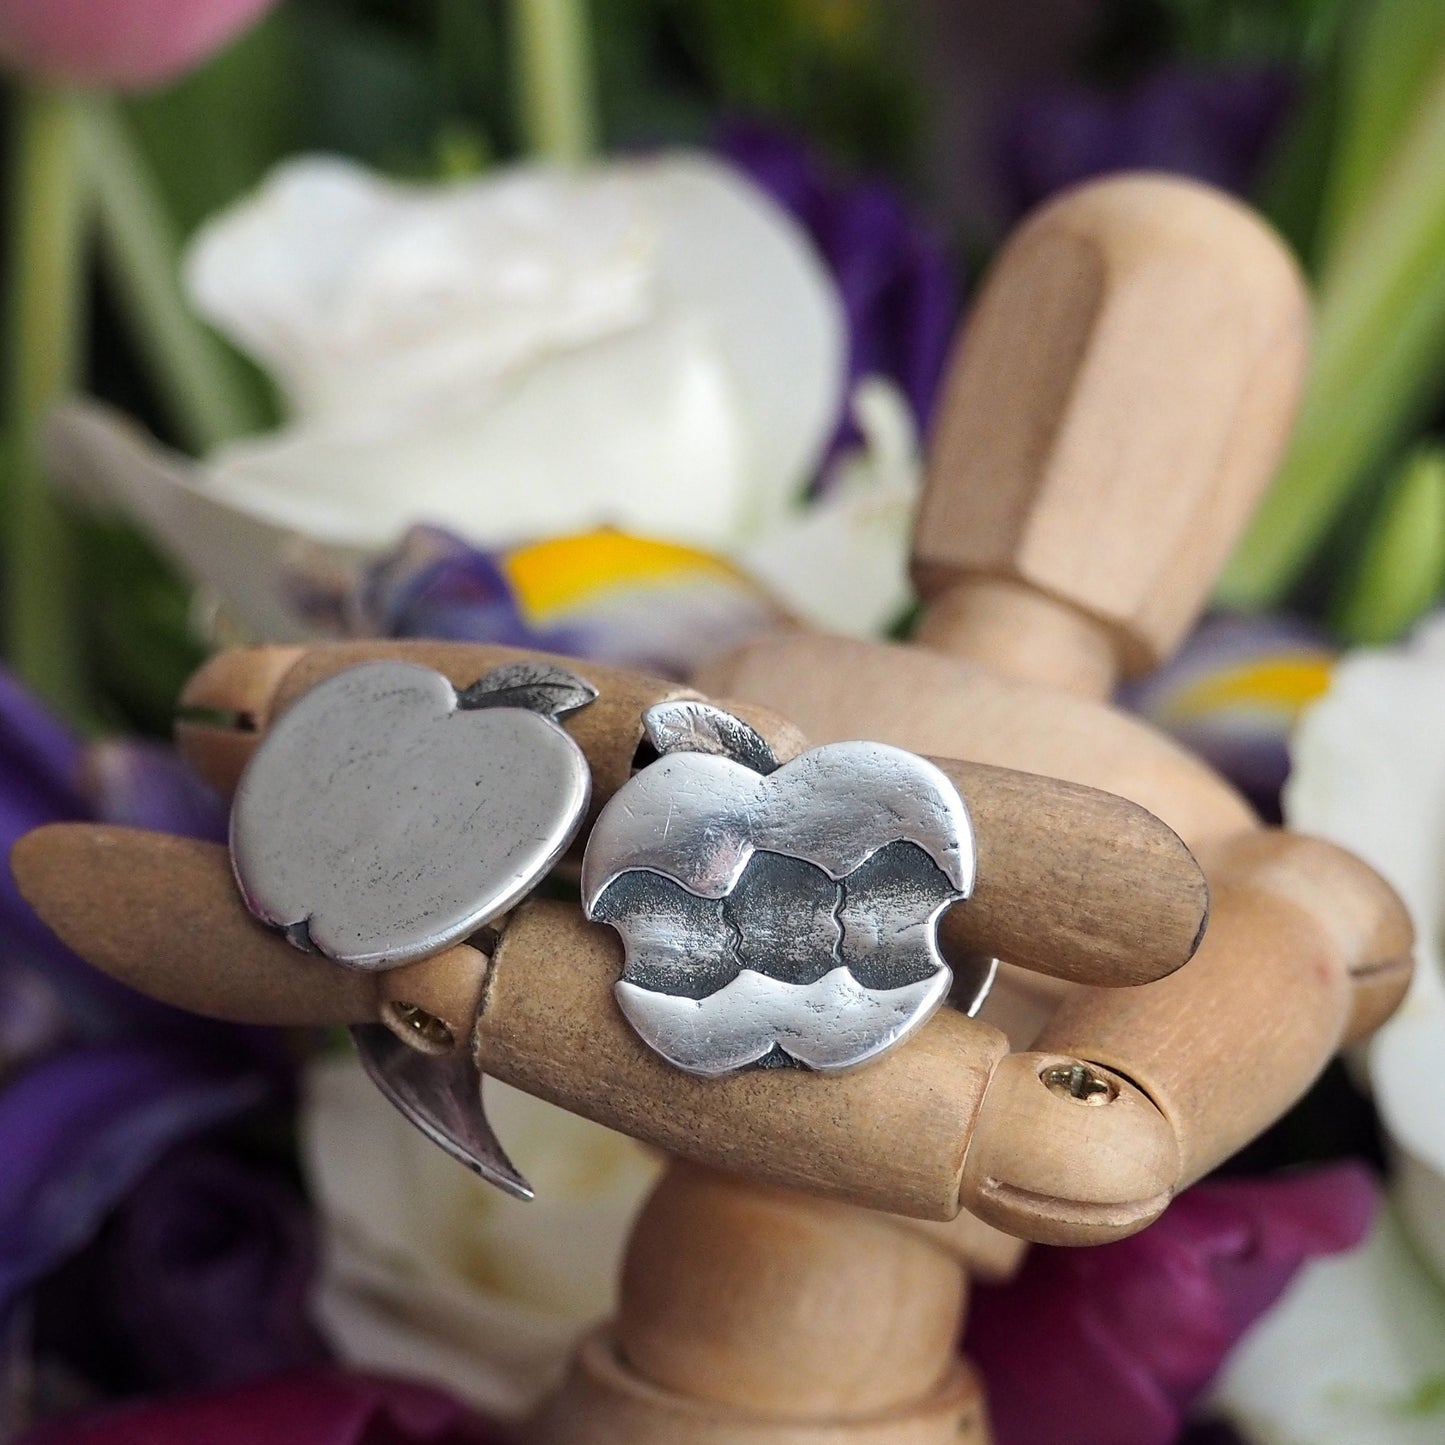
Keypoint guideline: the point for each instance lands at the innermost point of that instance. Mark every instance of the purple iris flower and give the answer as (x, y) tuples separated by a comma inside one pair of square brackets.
[(77, 1132), (1233, 694), (898, 286), (1150, 1319), (436, 585), (47, 775), (201, 1277), (1214, 125), (97, 1083)]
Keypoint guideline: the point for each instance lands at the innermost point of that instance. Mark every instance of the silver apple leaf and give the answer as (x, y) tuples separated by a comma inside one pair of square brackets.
[(535, 686), (698, 727)]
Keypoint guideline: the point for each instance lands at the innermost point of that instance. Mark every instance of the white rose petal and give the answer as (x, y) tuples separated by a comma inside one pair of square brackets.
[(432, 1272), (842, 564), (1356, 1353), (1351, 1354), (652, 345), (642, 431), (1369, 773)]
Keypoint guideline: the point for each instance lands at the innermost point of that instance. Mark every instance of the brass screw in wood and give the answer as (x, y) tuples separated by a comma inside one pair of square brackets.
[(1078, 1082), (432, 1031)]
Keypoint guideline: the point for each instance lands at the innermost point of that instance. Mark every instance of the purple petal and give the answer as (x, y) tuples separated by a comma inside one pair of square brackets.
[(146, 785), (39, 772), (436, 585), (313, 1408), (208, 1266), (33, 1017), (76, 1133), (1149, 1320), (36, 746), (1214, 125)]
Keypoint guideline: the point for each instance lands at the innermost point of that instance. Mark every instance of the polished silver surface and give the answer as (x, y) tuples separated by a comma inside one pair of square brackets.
[(832, 1024), (773, 914), (442, 1095), (387, 816)]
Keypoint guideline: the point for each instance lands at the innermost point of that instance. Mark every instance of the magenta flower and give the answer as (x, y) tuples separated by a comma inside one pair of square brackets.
[(118, 44), (317, 1408), (1111, 1345)]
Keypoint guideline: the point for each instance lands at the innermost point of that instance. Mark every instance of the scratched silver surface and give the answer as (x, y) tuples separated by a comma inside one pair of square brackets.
[(385, 817), (786, 917)]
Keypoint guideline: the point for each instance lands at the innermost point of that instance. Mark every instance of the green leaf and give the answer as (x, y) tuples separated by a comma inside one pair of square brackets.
[(1403, 563), (1379, 359), (139, 641), (1389, 58)]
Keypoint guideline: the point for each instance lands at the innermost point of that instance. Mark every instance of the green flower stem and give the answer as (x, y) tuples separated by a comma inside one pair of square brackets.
[(1403, 563), (46, 292), (1379, 350), (555, 79), (198, 379)]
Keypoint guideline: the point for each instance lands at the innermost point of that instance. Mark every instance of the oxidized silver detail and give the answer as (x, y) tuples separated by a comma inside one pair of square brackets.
[(387, 816), (441, 1095), (777, 914)]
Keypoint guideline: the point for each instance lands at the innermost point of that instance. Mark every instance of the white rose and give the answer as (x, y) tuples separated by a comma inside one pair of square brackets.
[(430, 1272), (1355, 1352), (651, 345)]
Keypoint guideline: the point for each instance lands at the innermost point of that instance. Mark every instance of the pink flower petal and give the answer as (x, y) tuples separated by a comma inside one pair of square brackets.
[(118, 44), (323, 1407)]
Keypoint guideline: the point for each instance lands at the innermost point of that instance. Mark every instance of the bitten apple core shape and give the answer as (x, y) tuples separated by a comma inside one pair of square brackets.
[(386, 816), (778, 914)]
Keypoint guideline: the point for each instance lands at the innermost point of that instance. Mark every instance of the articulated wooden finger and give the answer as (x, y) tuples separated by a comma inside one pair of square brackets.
[(1073, 882), (841, 687), (1224, 1046), (254, 685), (890, 1136), (163, 914), (1368, 923), (1065, 1152)]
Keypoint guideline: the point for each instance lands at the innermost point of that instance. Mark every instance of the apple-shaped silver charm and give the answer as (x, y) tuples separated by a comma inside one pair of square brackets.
[(776, 915), (386, 815)]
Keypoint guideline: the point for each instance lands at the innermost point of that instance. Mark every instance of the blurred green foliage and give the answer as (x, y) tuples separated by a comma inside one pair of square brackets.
[(428, 88)]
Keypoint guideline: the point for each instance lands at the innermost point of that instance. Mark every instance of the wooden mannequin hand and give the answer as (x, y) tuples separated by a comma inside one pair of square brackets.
[(1117, 402), (1091, 887)]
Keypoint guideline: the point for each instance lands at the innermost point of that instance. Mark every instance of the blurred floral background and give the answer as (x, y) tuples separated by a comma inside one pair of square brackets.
[(615, 329)]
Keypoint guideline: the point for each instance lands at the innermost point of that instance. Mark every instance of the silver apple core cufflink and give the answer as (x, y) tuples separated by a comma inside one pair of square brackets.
[(387, 816), (778, 914)]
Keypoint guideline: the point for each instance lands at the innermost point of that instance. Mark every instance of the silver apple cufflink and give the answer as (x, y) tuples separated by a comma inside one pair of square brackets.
[(778, 914), (387, 816)]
